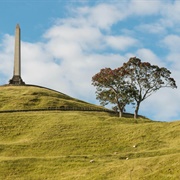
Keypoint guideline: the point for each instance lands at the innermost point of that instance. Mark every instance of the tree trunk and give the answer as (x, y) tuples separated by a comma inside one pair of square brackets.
[(121, 109), (120, 113), (136, 110)]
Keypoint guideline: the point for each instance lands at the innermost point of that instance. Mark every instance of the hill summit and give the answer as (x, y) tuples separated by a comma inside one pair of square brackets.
[(37, 97)]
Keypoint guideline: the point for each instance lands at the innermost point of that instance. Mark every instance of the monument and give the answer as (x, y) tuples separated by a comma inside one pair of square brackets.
[(16, 79)]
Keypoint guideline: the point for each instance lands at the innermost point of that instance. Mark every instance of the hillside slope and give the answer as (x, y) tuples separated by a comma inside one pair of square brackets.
[(87, 146), (34, 97)]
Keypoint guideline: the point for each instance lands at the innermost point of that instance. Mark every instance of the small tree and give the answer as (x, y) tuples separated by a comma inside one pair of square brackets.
[(146, 79), (112, 87)]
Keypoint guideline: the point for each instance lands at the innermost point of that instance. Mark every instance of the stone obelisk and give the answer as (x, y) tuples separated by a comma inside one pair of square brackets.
[(17, 80)]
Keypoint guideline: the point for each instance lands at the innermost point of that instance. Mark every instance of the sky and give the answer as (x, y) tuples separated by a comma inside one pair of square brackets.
[(65, 42)]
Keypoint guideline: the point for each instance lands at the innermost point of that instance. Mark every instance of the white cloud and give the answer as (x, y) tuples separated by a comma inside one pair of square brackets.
[(146, 55), (170, 12), (172, 42), (7, 56), (163, 105), (103, 15), (120, 42), (154, 28), (144, 7), (167, 13), (75, 38)]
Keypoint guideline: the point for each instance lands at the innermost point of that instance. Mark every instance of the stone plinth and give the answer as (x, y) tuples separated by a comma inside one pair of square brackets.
[(16, 80)]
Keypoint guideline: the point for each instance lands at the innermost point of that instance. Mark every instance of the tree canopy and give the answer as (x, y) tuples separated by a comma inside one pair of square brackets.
[(146, 79), (133, 82), (113, 88)]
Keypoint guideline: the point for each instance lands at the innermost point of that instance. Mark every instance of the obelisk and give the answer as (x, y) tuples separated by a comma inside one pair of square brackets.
[(17, 80)]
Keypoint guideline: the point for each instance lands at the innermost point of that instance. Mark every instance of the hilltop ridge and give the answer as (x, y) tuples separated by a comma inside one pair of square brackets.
[(35, 97)]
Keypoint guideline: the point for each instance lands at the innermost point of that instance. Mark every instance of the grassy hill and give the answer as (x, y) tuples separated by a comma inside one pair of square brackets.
[(80, 145), (34, 97)]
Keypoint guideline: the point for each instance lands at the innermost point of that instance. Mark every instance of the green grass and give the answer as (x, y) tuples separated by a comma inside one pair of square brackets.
[(59, 145), (32, 97)]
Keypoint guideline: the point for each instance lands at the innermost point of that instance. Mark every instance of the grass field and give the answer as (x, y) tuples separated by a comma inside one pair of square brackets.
[(60, 145), (67, 145)]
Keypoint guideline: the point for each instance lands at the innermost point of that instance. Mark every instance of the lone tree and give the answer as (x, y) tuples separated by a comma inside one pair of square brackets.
[(133, 82), (146, 79), (112, 87)]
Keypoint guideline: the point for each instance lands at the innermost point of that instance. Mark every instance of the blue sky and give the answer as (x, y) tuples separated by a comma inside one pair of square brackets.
[(65, 42)]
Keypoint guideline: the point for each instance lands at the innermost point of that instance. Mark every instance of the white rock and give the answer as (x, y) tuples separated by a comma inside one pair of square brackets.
[(91, 161)]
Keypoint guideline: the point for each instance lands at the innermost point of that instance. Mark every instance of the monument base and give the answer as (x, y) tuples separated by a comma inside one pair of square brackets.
[(16, 80)]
